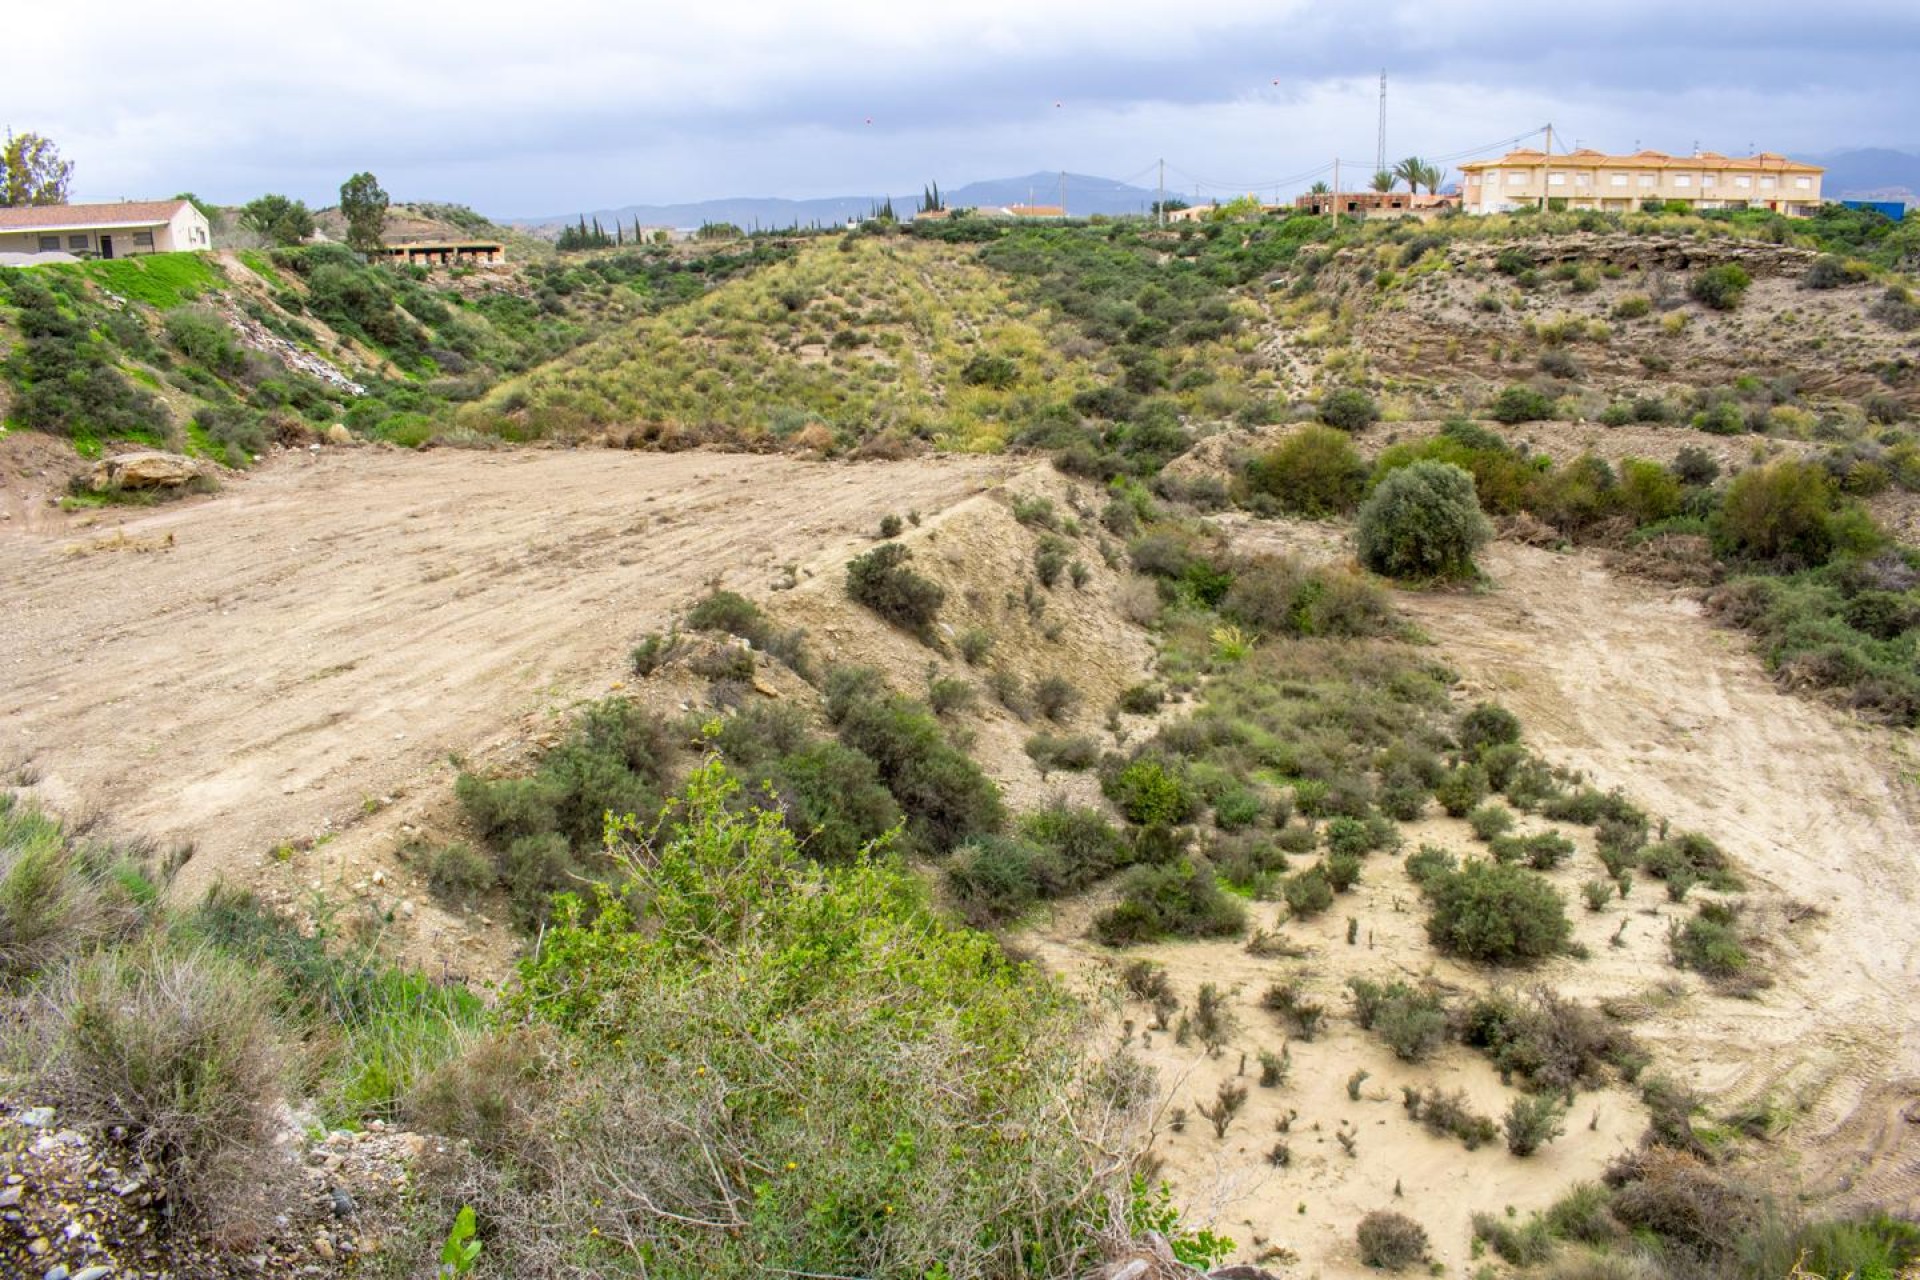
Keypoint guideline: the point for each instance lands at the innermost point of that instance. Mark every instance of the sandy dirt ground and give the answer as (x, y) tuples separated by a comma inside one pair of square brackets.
[(1627, 681), (289, 665)]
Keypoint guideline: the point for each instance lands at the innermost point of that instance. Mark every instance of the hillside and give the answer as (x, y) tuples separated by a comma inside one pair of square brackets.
[(1392, 747), (867, 341)]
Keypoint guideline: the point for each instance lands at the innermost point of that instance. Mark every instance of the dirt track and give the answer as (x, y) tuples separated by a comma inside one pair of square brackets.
[(1627, 681), (267, 664)]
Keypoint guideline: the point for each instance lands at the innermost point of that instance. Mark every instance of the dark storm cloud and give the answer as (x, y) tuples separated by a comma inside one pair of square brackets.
[(520, 111)]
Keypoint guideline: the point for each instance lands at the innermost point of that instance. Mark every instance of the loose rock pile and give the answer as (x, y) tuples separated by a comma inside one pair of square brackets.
[(79, 1206)]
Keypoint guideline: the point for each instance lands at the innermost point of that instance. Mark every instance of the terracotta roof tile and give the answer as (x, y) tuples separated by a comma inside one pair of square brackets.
[(47, 217)]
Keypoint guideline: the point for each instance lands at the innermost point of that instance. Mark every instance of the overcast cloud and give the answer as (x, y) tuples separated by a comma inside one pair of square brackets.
[(532, 109)]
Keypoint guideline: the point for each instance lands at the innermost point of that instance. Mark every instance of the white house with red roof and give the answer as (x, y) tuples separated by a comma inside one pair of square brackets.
[(122, 230)]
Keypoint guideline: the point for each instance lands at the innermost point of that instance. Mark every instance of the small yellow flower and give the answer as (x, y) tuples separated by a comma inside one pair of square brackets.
[(791, 1166)]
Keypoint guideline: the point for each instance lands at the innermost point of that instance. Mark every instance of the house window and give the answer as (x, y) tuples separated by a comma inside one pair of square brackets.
[(1803, 184), (1743, 180), (77, 243), (1769, 184), (49, 244), (143, 239), (1706, 180), (1616, 179), (1582, 179), (1556, 179), (1646, 180), (1682, 179), (1516, 178)]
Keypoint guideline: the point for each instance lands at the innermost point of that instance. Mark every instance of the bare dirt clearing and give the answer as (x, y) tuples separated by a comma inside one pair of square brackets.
[(1627, 681), (279, 663)]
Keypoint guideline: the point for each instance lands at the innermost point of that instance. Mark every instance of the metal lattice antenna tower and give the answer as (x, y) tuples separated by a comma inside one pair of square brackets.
[(1380, 144)]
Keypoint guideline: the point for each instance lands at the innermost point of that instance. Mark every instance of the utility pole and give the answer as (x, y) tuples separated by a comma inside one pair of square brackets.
[(1333, 199), (1380, 145), (1163, 193)]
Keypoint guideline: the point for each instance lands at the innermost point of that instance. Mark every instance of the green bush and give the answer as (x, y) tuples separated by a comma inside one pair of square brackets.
[(60, 897), (832, 799), (1782, 514), (1072, 753), (1089, 847), (1349, 409), (1497, 914), (1278, 595), (64, 375), (1055, 697), (1307, 893), (942, 792), (1533, 1122), (1177, 900), (1050, 555), (1552, 1044), (1487, 725), (988, 369), (1423, 521), (1412, 1021), (1719, 288), (457, 871), (1150, 792), (994, 879), (1428, 863), (1709, 943), (1524, 1245), (1490, 820), (1519, 403), (882, 582), (1314, 472), (615, 760), (726, 951), (1461, 789)]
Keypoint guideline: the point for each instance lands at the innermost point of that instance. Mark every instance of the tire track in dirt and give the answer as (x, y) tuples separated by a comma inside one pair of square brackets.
[(334, 625)]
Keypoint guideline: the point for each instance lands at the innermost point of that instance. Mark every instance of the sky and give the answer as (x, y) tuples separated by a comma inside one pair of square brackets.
[(522, 110)]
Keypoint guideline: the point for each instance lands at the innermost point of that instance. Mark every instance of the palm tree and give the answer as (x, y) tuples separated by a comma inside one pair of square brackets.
[(1384, 180), (1319, 189), (1412, 171)]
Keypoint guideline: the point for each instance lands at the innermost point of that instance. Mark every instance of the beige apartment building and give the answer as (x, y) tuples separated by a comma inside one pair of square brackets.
[(1589, 179)]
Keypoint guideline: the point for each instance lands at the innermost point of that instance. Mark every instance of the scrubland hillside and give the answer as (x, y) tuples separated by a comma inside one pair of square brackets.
[(1408, 765)]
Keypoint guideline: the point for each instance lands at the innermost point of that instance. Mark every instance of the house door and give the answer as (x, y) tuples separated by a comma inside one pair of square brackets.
[(106, 246)]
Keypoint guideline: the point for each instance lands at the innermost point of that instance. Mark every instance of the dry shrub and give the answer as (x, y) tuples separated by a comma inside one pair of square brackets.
[(1682, 1199), (493, 1094), (1390, 1241), (179, 1049)]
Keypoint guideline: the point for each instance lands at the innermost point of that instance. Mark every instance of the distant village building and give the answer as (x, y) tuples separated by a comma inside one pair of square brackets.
[(122, 230), (1031, 212), (445, 253), (1588, 179), (1355, 204), (1376, 204)]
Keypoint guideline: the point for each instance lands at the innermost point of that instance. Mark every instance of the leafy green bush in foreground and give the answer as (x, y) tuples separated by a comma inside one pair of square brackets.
[(807, 1055)]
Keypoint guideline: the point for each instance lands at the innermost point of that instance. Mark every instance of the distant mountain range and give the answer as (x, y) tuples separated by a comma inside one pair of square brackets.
[(1851, 174), (1869, 171), (1085, 193)]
